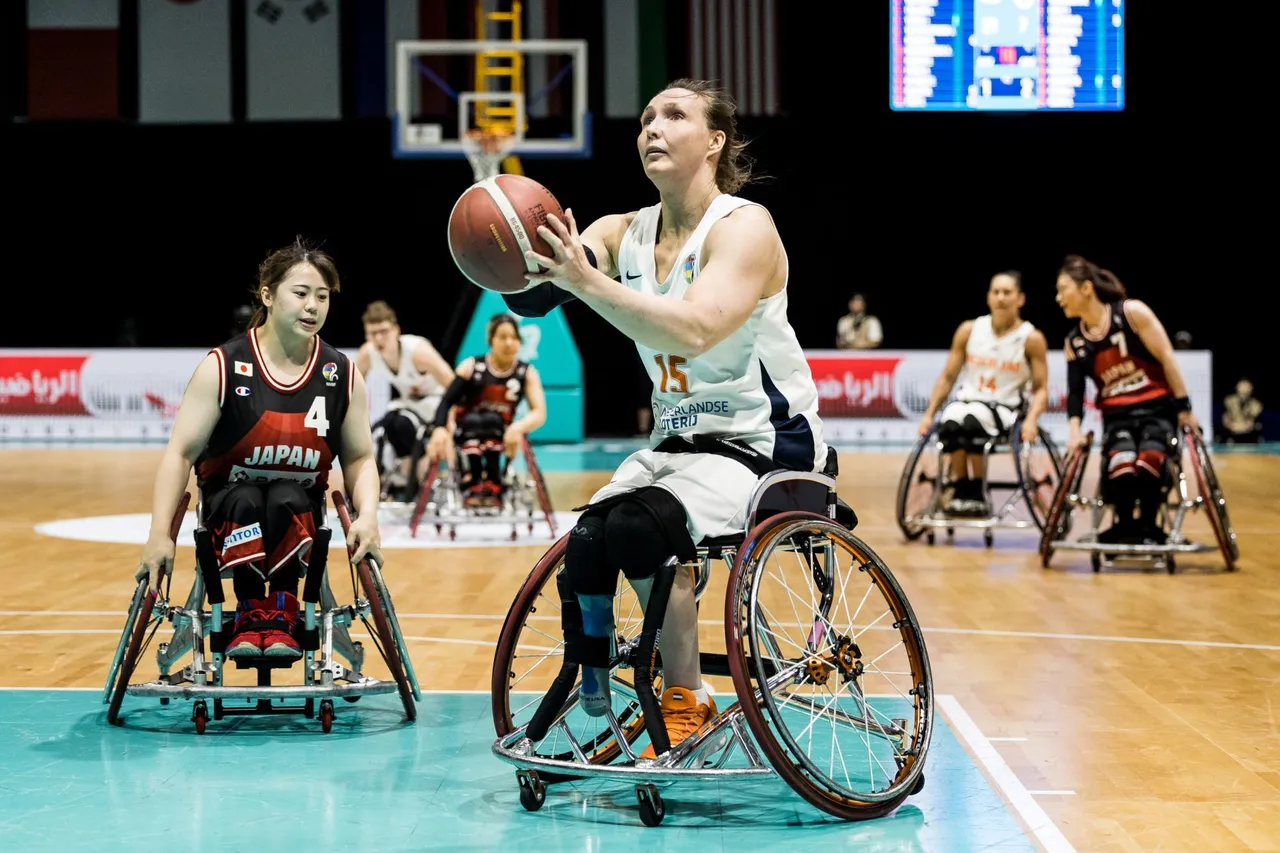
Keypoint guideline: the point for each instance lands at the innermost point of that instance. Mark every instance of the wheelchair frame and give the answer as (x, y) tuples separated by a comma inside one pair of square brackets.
[(1172, 514), (935, 516), (740, 725), (440, 501), (324, 637)]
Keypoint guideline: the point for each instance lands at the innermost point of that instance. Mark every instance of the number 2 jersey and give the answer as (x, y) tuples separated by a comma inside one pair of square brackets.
[(489, 391), (1123, 370), (275, 430)]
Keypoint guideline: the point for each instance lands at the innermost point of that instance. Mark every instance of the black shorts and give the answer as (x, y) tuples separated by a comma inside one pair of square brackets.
[(1138, 428)]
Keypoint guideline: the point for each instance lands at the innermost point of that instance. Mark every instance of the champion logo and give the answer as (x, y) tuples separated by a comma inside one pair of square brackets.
[(243, 390)]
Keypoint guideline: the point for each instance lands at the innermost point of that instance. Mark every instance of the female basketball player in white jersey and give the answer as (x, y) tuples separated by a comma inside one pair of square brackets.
[(1000, 355), (419, 375), (702, 292)]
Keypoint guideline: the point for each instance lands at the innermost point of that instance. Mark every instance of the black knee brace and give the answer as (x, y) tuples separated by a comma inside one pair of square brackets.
[(586, 559), (644, 529), (975, 434), (951, 434), (400, 431)]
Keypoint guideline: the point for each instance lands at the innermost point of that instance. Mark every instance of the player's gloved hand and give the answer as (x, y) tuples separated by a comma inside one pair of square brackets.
[(438, 445), (158, 552), (1188, 420)]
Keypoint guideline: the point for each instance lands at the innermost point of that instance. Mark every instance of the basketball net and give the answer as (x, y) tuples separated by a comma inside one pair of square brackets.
[(486, 151)]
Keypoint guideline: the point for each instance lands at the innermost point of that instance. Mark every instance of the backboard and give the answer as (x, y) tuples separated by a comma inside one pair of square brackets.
[(535, 89)]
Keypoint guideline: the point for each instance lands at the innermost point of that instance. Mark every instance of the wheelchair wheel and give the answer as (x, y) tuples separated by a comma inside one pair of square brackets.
[(425, 495), (804, 647), (388, 641), (375, 572), (1058, 520), (1215, 502), (540, 487), (134, 638), (529, 656), (918, 488), (1039, 467)]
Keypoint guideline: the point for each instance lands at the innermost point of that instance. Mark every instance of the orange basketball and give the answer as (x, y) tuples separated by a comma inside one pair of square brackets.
[(493, 224)]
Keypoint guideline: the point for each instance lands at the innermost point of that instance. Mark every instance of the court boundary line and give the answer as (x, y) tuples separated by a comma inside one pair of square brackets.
[(977, 632), (1002, 777)]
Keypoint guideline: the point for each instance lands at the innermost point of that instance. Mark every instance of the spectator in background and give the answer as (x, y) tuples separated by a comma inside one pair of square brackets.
[(858, 329), (1182, 340), (1241, 415)]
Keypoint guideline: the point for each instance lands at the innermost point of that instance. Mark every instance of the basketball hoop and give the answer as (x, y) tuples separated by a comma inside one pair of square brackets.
[(486, 150)]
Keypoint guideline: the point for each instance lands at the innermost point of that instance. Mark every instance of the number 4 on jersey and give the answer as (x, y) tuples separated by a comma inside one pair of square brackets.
[(315, 417)]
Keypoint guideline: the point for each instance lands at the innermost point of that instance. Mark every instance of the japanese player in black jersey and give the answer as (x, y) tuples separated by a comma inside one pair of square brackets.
[(262, 421), (1120, 345)]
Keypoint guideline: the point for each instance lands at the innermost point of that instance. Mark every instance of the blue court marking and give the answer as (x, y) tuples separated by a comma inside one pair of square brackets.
[(72, 782)]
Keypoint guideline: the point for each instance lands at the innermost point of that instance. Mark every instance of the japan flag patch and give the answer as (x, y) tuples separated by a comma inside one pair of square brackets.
[(244, 368)]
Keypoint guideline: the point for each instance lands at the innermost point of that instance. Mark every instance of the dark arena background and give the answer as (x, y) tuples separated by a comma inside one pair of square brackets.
[(156, 151)]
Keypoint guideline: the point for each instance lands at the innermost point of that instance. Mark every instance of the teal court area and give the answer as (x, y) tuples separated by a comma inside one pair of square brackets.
[(72, 782)]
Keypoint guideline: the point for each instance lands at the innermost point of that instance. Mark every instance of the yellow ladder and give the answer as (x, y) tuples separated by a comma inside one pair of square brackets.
[(499, 71)]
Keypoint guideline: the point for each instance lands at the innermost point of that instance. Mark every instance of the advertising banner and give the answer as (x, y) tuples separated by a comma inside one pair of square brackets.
[(132, 394)]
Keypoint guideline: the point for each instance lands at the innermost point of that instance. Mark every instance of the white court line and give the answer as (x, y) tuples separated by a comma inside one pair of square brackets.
[(1052, 793), (1007, 739), (1014, 791), (975, 632)]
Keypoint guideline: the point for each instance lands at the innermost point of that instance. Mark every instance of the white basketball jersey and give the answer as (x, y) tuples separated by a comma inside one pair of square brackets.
[(755, 386), (996, 369), (408, 376)]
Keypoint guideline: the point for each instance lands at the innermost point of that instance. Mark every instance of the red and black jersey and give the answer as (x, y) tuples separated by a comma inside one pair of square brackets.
[(272, 430), (1122, 368), (489, 391)]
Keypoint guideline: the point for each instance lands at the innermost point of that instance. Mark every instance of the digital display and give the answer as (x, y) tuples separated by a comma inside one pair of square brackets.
[(1013, 55)]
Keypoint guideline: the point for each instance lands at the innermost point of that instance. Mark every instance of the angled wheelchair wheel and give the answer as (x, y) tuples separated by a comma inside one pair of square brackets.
[(1214, 501), (389, 642), (1039, 466), (1058, 520), (829, 665), (529, 659), (425, 494), (135, 636), (375, 573), (540, 487), (918, 488)]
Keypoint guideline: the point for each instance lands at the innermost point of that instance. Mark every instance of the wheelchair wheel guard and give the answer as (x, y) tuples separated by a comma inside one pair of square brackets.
[(918, 488), (1215, 504), (1058, 520)]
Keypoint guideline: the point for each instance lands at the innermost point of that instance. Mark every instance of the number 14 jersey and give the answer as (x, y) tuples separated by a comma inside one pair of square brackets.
[(275, 430)]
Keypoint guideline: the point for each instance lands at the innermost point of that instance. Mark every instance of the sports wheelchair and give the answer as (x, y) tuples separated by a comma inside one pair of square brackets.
[(1037, 470), (1072, 495), (797, 653), (324, 637), (524, 493)]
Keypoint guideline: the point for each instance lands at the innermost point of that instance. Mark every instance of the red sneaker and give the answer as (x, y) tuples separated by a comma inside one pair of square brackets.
[(246, 638), (278, 640)]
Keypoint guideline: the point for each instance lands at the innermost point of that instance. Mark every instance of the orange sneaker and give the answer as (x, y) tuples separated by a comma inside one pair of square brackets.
[(683, 715)]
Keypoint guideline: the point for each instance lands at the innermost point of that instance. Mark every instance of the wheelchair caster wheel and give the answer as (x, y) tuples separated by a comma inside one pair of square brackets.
[(326, 716), (351, 699), (200, 716), (532, 792), (951, 531), (164, 700), (1170, 565), (1095, 560), (652, 809), (930, 537), (919, 786), (988, 538)]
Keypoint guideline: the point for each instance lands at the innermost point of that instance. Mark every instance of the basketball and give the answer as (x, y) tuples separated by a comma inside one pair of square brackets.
[(493, 224)]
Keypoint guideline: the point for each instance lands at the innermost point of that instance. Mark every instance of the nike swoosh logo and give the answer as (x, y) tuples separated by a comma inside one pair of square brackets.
[(630, 276)]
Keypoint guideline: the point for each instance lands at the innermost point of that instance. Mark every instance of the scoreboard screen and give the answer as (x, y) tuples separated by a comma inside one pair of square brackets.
[(1019, 55)]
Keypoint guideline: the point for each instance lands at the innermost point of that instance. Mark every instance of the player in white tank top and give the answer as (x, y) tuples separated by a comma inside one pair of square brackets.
[(418, 375), (1001, 356), (702, 293)]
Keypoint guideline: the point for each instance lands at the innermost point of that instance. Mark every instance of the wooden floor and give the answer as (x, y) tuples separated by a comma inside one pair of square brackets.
[(1140, 709)]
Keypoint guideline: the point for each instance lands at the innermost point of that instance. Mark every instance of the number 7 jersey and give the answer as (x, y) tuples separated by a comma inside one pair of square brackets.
[(275, 430)]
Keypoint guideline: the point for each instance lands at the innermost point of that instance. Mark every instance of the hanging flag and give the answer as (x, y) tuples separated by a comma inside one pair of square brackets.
[(735, 42), (73, 59), (184, 60), (293, 60)]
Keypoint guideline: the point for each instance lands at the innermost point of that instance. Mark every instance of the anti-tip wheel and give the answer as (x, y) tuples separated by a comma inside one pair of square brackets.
[(532, 792), (652, 808)]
